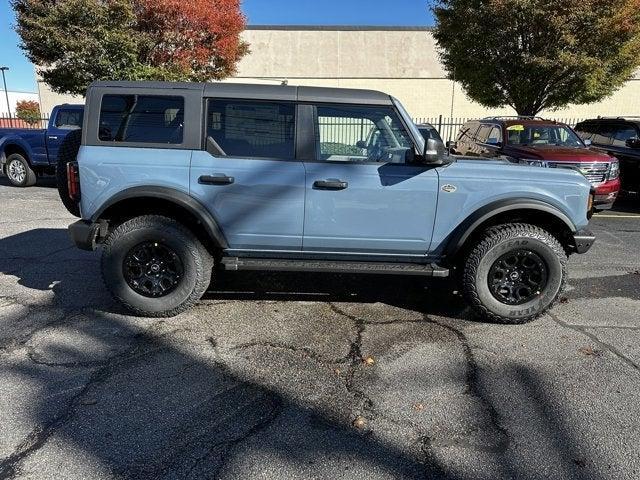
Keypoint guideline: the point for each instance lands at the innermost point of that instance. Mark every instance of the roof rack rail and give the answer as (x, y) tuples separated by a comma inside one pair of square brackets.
[(514, 117)]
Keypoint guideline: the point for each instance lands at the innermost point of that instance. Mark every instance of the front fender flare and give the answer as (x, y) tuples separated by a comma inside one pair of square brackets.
[(461, 234), (174, 196)]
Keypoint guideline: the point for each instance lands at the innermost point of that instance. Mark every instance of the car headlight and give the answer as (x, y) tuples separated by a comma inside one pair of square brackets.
[(532, 162), (614, 170)]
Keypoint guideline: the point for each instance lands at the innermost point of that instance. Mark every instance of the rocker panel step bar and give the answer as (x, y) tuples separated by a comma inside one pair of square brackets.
[(330, 266)]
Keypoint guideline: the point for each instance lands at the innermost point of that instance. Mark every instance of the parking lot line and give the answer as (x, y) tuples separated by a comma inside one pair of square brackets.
[(616, 216)]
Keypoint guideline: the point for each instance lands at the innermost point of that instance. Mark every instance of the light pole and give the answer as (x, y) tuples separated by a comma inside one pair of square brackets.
[(6, 94)]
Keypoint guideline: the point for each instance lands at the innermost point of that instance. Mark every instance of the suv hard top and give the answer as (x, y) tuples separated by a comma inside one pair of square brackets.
[(619, 137), (542, 143), (173, 179)]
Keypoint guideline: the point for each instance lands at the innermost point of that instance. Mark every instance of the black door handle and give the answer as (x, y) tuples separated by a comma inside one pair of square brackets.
[(216, 180), (330, 185)]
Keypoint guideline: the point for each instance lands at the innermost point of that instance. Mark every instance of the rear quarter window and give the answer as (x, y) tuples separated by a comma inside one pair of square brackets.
[(141, 119)]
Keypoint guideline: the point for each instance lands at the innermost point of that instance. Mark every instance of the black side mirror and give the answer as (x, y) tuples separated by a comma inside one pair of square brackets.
[(434, 151), (633, 143), (361, 144), (409, 156), (452, 145)]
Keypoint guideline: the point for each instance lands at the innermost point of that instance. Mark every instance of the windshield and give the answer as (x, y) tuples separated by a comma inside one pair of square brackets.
[(541, 135)]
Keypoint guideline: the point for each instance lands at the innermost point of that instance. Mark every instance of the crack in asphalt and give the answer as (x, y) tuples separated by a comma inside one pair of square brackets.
[(602, 344), (145, 344)]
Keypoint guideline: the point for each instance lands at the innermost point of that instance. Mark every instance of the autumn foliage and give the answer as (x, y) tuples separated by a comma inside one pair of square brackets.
[(28, 111), (75, 42)]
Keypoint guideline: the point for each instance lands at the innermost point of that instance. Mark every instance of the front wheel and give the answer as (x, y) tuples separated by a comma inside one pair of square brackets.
[(514, 273), (19, 171), (155, 266)]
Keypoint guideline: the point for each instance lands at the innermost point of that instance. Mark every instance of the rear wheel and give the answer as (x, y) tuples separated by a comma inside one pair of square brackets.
[(155, 266), (514, 273), (19, 171)]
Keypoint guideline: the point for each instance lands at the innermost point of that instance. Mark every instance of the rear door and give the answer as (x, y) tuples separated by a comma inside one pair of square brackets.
[(248, 176), (64, 121), (366, 200)]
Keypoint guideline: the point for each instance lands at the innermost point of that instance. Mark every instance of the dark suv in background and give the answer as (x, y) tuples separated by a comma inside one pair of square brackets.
[(619, 137), (543, 143)]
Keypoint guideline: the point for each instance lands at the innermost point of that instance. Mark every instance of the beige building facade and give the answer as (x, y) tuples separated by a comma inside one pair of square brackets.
[(402, 61)]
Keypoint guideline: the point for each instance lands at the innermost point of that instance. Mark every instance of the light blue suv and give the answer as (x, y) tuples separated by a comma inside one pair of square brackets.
[(173, 179)]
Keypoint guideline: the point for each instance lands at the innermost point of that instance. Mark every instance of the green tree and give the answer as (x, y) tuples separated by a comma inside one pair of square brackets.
[(75, 42), (536, 55)]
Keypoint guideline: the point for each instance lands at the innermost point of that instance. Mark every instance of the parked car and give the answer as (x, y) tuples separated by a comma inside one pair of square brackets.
[(173, 179), (619, 137), (429, 131), (542, 143), (26, 153)]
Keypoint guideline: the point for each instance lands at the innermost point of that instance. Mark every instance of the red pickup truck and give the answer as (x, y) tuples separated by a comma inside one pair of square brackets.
[(543, 143)]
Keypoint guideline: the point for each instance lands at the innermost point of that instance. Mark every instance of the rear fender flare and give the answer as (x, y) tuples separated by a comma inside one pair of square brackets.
[(174, 196)]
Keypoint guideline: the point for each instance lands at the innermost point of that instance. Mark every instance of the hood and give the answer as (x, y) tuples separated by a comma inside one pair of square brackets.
[(560, 154)]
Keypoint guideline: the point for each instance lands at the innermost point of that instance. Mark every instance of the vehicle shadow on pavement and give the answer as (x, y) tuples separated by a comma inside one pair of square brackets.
[(99, 393)]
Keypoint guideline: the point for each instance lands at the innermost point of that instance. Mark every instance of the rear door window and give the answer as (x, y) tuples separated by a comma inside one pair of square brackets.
[(604, 134), (141, 119), (624, 133), (69, 119), (483, 133), (251, 129)]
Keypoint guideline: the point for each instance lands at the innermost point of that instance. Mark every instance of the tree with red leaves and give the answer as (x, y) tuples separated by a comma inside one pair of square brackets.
[(75, 42)]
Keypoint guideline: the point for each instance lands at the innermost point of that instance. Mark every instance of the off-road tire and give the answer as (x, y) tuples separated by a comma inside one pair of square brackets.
[(68, 152), (196, 261), (493, 244), (30, 176)]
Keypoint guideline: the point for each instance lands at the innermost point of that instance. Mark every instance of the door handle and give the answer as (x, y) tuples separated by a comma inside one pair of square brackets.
[(330, 185), (216, 180), (51, 137)]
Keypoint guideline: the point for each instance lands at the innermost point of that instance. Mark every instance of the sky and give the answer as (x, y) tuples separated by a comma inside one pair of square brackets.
[(20, 76)]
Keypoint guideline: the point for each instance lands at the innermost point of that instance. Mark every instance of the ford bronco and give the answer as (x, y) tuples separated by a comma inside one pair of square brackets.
[(174, 179)]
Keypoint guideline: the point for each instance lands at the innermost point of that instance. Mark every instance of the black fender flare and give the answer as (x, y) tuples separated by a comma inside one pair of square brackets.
[(174, 196), (461, 234)]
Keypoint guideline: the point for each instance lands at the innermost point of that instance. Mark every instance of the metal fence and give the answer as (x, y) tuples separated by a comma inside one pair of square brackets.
[(346, 131), (12, 121), (448, 127)]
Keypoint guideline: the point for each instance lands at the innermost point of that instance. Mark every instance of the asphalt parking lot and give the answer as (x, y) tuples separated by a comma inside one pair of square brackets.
[(317, 376)]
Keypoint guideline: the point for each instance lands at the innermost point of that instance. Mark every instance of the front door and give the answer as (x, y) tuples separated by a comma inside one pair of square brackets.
[(248, 176), (362, 194)]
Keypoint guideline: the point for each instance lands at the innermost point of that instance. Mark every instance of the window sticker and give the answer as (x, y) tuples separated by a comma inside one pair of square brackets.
[(516, 128)]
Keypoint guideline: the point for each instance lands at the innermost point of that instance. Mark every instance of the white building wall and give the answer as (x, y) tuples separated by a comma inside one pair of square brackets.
[(401, 61), (14, 98)]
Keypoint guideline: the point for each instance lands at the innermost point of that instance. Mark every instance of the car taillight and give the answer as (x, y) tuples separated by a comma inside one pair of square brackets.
[(73, 181)]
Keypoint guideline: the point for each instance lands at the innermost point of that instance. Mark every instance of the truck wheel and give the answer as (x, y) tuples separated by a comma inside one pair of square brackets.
[(155, 266), (68, 152), (19, 172), (514, 273)]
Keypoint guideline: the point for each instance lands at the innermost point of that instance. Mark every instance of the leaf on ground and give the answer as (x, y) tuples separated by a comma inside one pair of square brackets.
[(360, 422), (369, 360), (590, 352), (418, 407)]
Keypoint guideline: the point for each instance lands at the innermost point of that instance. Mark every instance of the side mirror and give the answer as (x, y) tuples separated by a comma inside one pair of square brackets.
[(409, 156), (452, 145), (434, 151), (361, 144), (588, 142), (633, 143)]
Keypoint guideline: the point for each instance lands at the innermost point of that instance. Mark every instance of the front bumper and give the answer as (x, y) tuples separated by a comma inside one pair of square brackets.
[(583, 240), (86, 234)]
